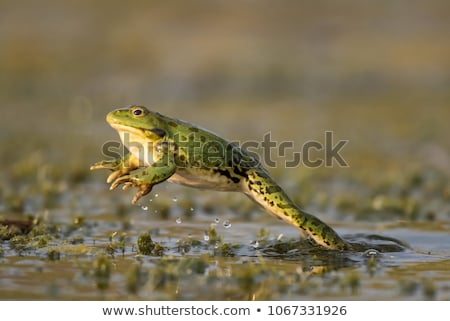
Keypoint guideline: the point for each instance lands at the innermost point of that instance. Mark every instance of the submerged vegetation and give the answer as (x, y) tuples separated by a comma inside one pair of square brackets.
[(155, 266)]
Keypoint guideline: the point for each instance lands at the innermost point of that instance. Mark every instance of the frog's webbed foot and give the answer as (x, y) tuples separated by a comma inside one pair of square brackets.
[(128, 182), (124, 179), (119, 167), (115, 175), (142, 190), (127, 171)]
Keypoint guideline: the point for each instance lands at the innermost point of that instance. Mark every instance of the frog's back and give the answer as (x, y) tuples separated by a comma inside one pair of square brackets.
[(204, 159)]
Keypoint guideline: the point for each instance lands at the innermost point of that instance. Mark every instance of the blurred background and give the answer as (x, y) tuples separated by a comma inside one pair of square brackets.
[(375, 73)]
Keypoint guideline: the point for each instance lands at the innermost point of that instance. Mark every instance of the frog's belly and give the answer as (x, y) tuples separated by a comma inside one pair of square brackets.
[(204, 178)]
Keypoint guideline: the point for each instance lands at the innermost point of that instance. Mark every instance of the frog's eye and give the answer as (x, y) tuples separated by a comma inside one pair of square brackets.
[(138, 111)]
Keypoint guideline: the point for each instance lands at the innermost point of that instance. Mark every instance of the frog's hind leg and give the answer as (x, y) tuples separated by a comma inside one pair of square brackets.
[(263, 190)]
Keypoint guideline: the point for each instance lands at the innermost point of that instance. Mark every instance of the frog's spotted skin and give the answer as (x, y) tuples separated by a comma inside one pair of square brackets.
[(163, 148)]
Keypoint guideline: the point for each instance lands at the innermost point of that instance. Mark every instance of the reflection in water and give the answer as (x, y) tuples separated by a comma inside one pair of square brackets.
[(230, 270), (367, 250), (366, 242)]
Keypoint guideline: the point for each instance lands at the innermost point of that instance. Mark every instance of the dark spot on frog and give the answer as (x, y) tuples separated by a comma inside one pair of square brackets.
[(238, 171), (227, 174), (158, 131), (273, 189), (283, 206)]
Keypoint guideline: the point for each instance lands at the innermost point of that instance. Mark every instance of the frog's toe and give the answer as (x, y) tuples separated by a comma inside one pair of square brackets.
[(143, 190), (127, 185), (120, 180), (95, 166), (114, 175), (111, 164)]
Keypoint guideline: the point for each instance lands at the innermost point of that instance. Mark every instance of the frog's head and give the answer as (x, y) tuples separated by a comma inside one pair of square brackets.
[(137, 125)]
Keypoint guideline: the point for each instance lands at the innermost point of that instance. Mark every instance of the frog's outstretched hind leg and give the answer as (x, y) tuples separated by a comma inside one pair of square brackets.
[(263, 190)]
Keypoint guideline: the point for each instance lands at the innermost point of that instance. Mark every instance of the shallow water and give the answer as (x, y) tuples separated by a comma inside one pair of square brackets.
[(238, 261)]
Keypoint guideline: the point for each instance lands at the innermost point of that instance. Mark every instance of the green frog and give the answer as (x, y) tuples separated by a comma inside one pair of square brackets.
[(167, 149)]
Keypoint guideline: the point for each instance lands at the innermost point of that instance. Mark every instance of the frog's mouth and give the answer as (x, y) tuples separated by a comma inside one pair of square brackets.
[(136, 134), (122, 129)]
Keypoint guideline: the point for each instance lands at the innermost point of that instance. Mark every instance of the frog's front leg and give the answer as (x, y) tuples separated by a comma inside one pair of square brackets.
[(146, 177), (118, 166)]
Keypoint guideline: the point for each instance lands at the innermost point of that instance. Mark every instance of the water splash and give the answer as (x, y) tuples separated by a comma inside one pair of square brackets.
[(370, 244), (178, 220), (226, 224), (372, 253)]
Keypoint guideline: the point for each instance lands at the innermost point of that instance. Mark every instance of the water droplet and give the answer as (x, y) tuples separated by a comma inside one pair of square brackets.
[(227, 224), (156, 195), (144, 207), (372, 253), (206, 236), (192, 209), (217, 220), (178, 220), (175, 199)]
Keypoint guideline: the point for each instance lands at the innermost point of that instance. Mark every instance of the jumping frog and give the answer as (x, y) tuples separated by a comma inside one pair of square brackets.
[(163, 148)]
